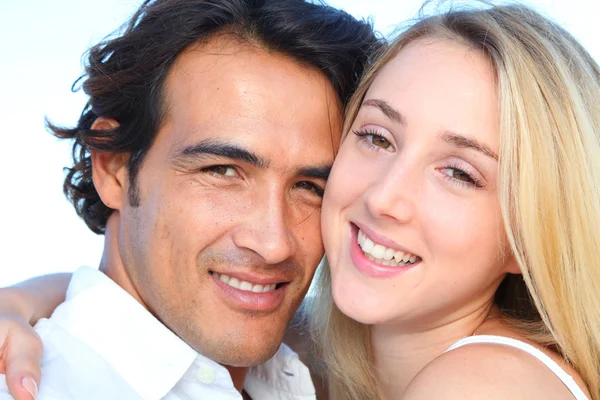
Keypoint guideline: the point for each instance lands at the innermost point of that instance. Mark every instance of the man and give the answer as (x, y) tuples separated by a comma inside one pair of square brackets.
[(201, 156)]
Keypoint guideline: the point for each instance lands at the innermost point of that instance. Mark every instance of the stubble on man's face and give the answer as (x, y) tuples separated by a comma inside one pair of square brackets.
[(232, 188)]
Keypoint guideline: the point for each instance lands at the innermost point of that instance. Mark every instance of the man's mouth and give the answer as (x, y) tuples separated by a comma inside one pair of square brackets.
[(252, 291), (247, 285), (244, 285)]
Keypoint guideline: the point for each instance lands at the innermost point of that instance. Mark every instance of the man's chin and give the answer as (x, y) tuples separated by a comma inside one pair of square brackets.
[(239, 346), (246, 356)]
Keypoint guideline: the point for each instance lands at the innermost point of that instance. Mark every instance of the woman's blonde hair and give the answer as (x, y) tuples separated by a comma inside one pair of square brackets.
[(549, 172)]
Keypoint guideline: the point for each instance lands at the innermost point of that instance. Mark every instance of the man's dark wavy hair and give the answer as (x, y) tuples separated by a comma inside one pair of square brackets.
[(124, 75)]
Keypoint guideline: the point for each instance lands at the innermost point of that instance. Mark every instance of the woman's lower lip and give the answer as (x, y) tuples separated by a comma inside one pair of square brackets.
[(251, 301), (368, 267)]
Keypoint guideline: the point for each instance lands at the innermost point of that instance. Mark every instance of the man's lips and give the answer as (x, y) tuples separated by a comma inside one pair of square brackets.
[(250, 282), (255, 278), (257, 293)]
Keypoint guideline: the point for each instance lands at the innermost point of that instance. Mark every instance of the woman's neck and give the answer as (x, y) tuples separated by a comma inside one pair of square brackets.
[(401, 353)]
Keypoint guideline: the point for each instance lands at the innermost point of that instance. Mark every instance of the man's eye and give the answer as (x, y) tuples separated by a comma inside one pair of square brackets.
[(225, 170), (306, 185)]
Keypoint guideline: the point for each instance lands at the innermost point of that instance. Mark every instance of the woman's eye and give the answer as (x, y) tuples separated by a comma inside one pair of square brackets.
[(380, 141), (310, 187), (225, 170), (459, 175), (374, 139)]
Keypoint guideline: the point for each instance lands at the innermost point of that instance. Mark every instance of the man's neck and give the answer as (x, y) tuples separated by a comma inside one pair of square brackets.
[(111, 264), (238, 376)]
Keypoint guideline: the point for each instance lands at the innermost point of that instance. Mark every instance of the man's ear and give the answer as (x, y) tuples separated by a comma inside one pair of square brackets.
[(109, 170)]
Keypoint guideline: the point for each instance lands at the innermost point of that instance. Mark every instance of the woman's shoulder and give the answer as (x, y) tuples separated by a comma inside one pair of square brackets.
[(493, 368)]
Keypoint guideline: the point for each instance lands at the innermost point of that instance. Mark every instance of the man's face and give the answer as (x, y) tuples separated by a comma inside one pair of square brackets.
[(224, 243)]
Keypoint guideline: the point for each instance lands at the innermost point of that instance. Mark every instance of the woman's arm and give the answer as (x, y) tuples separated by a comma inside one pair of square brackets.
[(21, 306), (35, 298)]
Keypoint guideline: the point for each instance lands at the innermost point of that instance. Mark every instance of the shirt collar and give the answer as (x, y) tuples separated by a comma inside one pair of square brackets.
[(283, 377), (149, 356)]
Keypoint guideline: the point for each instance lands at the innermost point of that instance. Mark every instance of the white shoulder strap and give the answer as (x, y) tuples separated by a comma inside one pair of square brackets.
[(547, 361)]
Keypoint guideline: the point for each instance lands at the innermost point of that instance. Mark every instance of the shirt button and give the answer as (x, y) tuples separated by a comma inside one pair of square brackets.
[(206, 374)]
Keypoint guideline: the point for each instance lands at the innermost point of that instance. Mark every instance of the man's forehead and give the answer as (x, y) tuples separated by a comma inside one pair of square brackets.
[(224, 67), (264, 103)]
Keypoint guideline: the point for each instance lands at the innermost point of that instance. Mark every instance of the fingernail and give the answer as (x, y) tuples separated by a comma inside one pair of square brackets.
[(30, 385)]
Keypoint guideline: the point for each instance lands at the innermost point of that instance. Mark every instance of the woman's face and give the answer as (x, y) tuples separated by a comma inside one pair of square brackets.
[(411, 219)]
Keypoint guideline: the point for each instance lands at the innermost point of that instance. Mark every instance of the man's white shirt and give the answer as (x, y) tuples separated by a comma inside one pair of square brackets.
[(102, 344)]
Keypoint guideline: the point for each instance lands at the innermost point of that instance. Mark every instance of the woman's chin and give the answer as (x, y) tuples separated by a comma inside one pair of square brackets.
[(360, 305)]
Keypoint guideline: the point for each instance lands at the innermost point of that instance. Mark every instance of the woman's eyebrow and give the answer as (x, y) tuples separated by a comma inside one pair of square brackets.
[(386, 109), (465, 142)]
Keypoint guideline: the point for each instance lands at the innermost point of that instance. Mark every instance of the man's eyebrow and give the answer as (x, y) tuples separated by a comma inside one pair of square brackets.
[(221, 149), (386, 109), (464, 142), (319, 171)]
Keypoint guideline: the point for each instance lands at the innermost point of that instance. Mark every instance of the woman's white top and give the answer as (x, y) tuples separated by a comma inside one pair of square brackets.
[(547, 361)]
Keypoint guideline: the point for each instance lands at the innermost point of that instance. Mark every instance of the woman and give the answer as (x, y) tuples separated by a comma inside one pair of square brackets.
[(462, 252), (473, 150)]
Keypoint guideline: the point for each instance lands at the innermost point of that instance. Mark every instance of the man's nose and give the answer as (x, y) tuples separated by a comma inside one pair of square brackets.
[(266, 231)]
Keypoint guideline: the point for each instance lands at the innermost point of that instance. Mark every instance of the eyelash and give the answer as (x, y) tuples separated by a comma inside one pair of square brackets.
[(316, 189), (363, 134), (211, 170), (475, 182)]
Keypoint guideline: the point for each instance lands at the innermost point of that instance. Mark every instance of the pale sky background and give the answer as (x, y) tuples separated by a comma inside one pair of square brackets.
[(41, 43)]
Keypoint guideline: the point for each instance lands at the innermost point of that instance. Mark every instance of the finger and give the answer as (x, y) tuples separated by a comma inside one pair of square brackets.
[(27, 389), (23, 359)]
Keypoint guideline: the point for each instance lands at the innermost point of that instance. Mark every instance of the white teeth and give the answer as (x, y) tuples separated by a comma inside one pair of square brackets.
[(367, 245), (257, 288), (389, 254), (243, 285), (398, 256), (384, 255), (378, 251), (269, 288), (361, 237)]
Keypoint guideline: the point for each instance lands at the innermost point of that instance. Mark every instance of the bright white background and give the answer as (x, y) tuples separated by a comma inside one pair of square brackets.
[(41, 43)]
